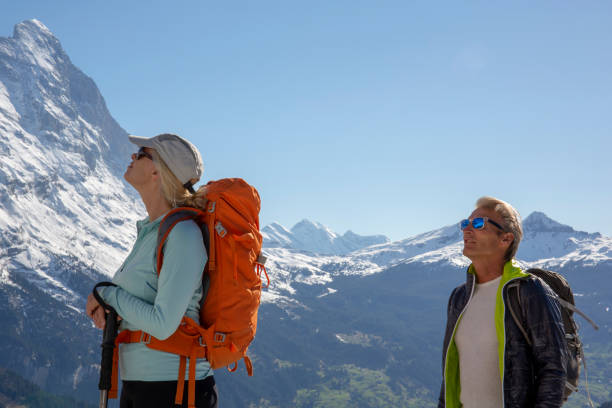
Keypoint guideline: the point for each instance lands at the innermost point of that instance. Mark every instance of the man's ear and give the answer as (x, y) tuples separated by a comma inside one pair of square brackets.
[(507, 239)]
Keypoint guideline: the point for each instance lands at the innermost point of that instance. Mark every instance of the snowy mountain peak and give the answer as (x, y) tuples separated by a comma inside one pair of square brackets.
[(315, 237), (306, 227), (38, 46), (62, 194), (540, 222), (275, 226), (365, 241), (551, 243), (275, 235), (33, 31), (50, 103), (32, 26)]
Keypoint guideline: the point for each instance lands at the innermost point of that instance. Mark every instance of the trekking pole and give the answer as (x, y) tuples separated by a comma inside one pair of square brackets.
[(106, 366)]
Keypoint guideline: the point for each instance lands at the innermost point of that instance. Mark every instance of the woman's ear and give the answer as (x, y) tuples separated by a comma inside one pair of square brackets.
[(155, 175)]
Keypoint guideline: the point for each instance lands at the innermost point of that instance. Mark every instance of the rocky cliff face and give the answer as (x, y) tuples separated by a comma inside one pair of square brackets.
[(66, 215)]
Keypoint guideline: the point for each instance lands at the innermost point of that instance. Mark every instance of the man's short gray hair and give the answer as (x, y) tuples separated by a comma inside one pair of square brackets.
[(511, 221)]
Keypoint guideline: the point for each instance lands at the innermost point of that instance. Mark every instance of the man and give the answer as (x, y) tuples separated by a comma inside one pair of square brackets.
[(486, 360)]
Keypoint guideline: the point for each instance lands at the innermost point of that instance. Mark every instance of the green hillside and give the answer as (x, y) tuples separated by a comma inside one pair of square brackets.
[(16, 392)]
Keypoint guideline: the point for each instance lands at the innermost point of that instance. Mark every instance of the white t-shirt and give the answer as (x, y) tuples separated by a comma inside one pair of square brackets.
[(476, 341)]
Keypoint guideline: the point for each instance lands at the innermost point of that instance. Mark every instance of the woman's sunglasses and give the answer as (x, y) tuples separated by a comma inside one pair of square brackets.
[(478, 223), (142, 153)]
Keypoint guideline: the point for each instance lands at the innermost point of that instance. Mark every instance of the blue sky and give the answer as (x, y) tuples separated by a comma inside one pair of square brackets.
[(387, 117)]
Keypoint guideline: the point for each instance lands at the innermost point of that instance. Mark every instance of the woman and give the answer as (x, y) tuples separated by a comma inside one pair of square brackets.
[(163, 172)]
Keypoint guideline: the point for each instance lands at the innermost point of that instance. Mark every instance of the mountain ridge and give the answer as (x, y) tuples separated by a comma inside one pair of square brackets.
[(311, 236), (546, 244)]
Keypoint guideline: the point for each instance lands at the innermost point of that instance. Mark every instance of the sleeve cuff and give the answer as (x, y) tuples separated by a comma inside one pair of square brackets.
[(106, 293)]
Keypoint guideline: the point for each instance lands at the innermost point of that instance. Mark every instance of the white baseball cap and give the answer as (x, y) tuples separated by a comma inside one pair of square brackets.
[(181, 157)]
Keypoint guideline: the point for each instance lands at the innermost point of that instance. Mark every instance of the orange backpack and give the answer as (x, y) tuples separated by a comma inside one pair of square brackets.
[(231, 284)]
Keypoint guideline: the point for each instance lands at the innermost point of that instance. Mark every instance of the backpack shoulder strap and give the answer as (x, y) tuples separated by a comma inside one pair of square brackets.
[(167, 224), (514, 304)]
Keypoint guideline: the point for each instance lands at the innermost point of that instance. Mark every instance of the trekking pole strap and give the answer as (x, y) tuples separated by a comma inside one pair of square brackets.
[(99, 298)]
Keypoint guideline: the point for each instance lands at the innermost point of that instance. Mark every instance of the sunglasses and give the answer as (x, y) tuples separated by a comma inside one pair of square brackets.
[(142, 153), (478, 223)]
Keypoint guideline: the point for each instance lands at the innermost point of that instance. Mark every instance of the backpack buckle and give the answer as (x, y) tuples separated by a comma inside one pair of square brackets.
[(261, 259), (219, 337), (220, 229), (145, 338)]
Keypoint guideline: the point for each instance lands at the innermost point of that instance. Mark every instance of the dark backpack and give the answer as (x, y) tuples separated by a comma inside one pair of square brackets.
[(565, 298)]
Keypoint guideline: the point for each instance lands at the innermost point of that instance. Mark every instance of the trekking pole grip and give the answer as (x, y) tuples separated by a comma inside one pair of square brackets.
[(97, 296), (108, 346)]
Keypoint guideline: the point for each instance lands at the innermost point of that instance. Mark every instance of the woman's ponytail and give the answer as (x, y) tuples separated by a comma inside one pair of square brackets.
[(174, 191)]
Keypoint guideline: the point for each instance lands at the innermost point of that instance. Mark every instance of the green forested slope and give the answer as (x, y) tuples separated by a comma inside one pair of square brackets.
[(16, 392)]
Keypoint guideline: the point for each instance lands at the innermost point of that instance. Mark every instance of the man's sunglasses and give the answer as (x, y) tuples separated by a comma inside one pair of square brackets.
[(479, 223), (142, 153)]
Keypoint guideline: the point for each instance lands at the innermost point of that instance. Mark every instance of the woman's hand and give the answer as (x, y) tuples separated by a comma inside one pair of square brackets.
[(95, 311)]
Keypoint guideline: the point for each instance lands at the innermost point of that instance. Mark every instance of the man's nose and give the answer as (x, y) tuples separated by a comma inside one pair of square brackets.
[(469, 229)]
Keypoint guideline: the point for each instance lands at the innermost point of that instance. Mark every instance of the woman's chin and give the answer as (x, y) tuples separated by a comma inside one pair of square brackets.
[(126, 177)]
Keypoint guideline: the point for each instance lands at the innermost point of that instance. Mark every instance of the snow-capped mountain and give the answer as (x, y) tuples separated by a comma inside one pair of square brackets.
[(313, 237), (63, 156), (546, 244), (550, 244), (67, 221), (66, 215)]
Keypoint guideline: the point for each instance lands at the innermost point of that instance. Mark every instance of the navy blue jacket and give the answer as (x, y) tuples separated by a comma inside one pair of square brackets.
[(533, 376)]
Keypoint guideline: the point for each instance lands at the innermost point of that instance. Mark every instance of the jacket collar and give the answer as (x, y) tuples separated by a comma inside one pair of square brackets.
[(144, 226), (511, 271)]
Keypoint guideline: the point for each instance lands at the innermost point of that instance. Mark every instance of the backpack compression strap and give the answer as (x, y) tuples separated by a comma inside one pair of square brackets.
[(573, 308)]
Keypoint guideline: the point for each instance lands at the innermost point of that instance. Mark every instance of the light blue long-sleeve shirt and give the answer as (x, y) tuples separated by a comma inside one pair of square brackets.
[(155, 304)]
